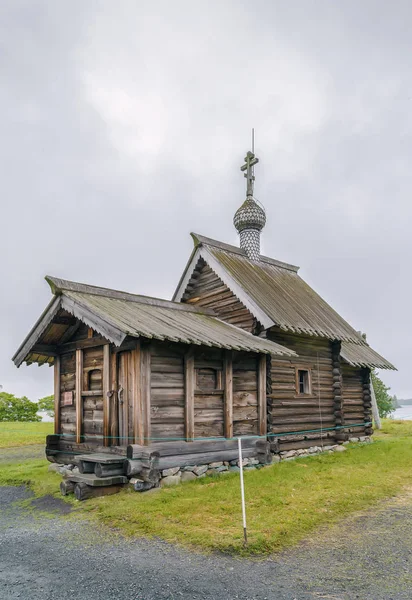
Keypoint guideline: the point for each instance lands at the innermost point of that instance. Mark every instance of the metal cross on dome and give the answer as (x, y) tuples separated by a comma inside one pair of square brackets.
[(250, 161)]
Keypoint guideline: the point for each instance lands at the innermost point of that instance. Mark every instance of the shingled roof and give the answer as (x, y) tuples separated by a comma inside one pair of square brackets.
[(275, 294), (362, 355), (116, 315)]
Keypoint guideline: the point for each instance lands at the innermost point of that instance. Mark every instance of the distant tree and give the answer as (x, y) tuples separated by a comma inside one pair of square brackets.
[(47, 404), (17, 409), (384, 400)]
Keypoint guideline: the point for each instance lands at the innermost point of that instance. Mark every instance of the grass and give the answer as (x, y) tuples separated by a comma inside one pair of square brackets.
[(23, 434), (285, 502)]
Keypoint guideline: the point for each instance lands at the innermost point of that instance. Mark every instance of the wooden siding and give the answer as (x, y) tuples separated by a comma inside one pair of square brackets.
[(209, 393), (205, 289), (167, 391), (92, 381), (290, 412), (67, 384), (245, 394), (353, 398)]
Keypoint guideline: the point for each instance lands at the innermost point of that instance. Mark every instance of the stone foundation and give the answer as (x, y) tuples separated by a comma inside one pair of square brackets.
[(176, 475)]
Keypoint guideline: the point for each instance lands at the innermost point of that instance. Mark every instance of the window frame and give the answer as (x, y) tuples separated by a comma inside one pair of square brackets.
[(307, 370)]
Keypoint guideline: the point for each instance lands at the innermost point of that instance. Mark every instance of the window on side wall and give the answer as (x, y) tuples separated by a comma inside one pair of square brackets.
[(303, 382)]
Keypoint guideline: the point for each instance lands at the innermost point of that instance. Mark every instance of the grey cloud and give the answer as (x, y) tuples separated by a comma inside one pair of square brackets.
[(123, 127)]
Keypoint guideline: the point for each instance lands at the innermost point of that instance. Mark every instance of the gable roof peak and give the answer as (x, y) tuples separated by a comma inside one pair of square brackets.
[(201, 240)]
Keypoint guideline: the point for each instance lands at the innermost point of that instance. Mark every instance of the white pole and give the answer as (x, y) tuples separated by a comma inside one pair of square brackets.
[(375, 410), (242, 489)]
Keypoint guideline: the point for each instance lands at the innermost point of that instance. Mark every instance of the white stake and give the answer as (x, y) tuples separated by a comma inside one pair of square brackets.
[(242, 489)]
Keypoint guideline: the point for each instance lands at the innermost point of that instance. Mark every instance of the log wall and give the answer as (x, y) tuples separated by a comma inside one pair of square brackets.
[(245, 394), (206, 289), (208, 393), (356, 399), (167, 391), (67, 426), (93, 404), (291, 412)]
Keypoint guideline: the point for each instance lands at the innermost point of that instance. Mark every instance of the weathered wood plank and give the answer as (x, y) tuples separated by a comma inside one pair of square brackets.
[(138, 430), (262, 395), (57, 394), (106, 395), (114, 407), (189, 366), (228, 394), (146, 392), (79, 400)]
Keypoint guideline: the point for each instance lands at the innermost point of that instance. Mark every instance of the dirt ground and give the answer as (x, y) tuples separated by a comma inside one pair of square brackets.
[(45, 555)]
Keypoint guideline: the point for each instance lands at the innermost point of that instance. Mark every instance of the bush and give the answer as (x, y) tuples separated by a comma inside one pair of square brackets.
[(17, 409), (384, 400), (47, 404)]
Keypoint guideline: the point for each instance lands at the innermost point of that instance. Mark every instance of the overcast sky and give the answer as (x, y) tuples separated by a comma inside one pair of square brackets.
[(123, 126)]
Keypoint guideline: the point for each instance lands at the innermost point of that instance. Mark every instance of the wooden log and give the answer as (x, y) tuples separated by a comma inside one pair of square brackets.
[(173, 447), (134, 467), (66, 487), (86, 467), (82, 491), (107, 470), (203, 458), (52, 441), (148, 461)]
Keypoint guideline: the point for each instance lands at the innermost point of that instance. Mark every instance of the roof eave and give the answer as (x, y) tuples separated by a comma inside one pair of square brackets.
[(37, 330)]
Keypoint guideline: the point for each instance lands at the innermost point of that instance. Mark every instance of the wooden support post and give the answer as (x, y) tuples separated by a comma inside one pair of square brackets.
[(79, 399), (106, 395), (57, 394), (228, 398), (146, 392), (137, 395), (262, 394), (114, 405), (189, 395)]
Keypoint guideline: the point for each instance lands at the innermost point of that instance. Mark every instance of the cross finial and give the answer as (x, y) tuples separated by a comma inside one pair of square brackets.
[(250, 161)]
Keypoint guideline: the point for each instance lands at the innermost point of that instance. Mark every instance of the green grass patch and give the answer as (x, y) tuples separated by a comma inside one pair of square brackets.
[(33, 473), (14, 434), (285, 502)]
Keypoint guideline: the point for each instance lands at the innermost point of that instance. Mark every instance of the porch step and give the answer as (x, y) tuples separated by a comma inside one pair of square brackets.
[(106, 459), (94, 481)]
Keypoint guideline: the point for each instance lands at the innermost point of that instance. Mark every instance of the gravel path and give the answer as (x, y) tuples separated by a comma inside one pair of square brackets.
[(48, 556), (20, 453)]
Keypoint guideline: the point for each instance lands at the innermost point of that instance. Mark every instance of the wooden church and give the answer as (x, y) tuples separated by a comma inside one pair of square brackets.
[(145, 387)]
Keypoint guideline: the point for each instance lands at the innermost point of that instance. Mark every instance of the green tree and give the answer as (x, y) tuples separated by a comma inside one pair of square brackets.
[(383, 398), (17, 409), (47, 404)]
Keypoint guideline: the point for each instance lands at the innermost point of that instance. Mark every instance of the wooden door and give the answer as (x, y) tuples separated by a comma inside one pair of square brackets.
[(124, 412)]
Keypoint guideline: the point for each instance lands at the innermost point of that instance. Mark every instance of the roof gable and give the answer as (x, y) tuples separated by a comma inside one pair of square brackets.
[(116, 315), (272, 290)]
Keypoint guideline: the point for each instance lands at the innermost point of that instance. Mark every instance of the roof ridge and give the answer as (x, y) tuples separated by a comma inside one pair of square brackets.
[(200, 240), (59, 286)]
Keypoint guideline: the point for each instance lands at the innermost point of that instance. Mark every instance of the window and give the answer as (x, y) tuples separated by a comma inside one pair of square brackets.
[(303, 381), (206, 379)]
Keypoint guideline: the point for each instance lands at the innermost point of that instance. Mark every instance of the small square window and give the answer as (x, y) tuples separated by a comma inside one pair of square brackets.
[(303, 381)]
